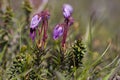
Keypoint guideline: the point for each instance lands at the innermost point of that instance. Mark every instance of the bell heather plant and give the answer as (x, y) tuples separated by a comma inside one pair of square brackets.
[(36, 19), (62, 29), (34, 24), (79, 61)]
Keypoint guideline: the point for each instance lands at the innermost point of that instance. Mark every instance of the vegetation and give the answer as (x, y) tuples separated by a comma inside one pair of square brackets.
[(90, 51)]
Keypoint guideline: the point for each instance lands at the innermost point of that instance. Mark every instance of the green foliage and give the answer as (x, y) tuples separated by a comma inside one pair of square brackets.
[(45, 63), (79, 50), (18, 66), (27, 9), (5, 37), (7, 16)]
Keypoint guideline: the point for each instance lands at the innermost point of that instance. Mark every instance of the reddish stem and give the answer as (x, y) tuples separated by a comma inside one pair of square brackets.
[(45, 23), (44, 32), (40, 30), (65, 33)]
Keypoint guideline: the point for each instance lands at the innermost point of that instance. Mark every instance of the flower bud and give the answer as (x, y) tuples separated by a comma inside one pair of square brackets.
[(67, 10), (58, 31)]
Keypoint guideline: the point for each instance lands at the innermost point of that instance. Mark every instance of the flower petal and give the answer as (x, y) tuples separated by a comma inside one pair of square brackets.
[(67, 10), (35, 21), (32, 33), (58, 31)]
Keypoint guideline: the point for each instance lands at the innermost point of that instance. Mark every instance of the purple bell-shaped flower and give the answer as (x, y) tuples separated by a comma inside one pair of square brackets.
[(33, 25), (67, 10), (58, 31)]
